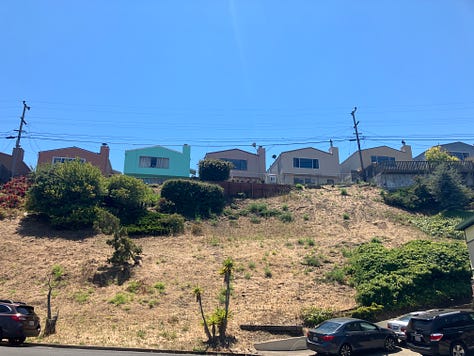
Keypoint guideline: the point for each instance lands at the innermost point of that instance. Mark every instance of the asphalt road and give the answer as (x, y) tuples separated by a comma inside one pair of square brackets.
[(30, 350)]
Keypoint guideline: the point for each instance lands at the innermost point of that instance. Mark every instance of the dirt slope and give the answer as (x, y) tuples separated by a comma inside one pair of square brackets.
[(271, 284)]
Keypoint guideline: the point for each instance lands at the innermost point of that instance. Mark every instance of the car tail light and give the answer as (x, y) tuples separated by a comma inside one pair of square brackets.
[(436, 337), (403, 329), (328, 337), (18, 317)]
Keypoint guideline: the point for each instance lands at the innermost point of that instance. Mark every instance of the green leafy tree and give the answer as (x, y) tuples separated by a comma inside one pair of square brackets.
[(67, 193), (437, 154), (447, 188), (127, 197), (124, 249), (214, 170)]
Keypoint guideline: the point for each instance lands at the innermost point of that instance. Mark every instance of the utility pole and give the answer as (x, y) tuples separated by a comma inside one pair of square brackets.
[(18, 138), (362, 170)]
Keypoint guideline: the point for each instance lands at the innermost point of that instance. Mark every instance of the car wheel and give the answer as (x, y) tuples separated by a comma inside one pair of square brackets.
[(390, 344), (16, 340), (458, 349), (345, 350)]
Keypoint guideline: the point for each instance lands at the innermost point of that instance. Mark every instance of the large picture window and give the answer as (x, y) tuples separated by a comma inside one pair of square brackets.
[(239, 164), (380, 159), (154, 162), (67, 159), (306, 163)]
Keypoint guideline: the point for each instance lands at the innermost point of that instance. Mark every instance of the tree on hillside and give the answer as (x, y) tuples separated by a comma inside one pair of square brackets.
[(214, 170), (447, 188), (438, 154), (66, 193), (126, 197)]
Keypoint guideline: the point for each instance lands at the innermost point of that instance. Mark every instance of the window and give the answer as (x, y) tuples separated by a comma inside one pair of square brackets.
[(461, 155), (380, 159), (154, 162), (239, 164), (305, 163), (67, 159)]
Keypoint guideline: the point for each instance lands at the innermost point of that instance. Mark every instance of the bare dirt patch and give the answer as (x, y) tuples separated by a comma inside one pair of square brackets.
[(271, 284)]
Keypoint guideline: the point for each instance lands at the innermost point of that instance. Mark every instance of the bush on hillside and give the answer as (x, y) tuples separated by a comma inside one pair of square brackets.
[(443, 189), (416, 275), (313, 316), (126, 197), (156, 224), (13, 192), (214, 170), (194, 199), (66, 193)]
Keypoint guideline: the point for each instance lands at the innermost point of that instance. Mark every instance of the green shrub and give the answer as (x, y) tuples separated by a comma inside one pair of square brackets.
[(417, 274), (368, 313), (313, 316), (134, 287), (438, 226), (126, 197), (214, 170), (194, 199), (119, 299), (67, 193), (337, 274), (157, 224), (311, 260), (299, 186), (286, 217)]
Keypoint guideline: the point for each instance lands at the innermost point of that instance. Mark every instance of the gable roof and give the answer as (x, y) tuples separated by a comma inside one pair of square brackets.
[(152, 147), (305, 148), (71, 148), (231, 150)]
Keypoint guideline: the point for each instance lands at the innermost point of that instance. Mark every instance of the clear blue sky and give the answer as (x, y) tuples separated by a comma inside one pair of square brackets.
[(220, 74)]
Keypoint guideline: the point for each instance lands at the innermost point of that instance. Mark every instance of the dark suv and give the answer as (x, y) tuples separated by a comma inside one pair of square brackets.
[(17, 321), (441, 332)]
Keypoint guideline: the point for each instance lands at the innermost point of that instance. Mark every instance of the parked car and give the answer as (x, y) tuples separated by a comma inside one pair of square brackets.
[(344, 336), (441, 332), (399, 325), (17, 321)]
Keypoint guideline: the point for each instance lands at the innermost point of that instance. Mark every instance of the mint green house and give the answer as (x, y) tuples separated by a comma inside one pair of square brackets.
[(157, 163)]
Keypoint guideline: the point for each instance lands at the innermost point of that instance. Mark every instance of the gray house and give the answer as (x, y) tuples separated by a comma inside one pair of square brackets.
[(306, 166), (461, 150)]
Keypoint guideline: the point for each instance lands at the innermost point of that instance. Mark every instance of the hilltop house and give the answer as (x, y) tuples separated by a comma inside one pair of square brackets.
[(374, 156), (247, 166), (157, 163), (461, 150), (306, 166), (12, 165), (99, 160)]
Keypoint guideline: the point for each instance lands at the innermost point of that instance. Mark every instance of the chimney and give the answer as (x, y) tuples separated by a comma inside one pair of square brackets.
[(104, 158), (262, 164), (407, 150), (335, 152)]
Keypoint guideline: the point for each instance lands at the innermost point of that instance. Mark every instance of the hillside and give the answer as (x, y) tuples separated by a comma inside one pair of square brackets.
[(271, 284)]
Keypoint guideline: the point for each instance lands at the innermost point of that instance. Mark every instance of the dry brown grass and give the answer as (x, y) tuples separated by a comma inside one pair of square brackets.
[(170, 319)]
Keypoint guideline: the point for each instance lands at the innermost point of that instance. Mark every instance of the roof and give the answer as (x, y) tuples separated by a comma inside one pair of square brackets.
[(231, 150), (463, 225), (69, 148), (305, 148), (156, 146)]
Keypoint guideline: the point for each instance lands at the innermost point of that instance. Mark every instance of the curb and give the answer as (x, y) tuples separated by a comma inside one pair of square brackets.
[(137, 349)]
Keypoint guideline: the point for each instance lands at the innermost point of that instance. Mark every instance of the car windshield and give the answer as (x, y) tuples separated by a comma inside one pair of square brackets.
[(327, 327)]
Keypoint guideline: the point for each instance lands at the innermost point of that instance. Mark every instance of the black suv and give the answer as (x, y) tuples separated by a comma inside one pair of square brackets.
[(441, 332), (17, 321)]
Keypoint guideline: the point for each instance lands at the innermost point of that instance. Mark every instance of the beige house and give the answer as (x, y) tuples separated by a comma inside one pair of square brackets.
[(306, 166), (247, 166), (373, 156)]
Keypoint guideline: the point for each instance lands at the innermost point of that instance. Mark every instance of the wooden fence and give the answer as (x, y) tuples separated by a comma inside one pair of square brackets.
[(253, 190)]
